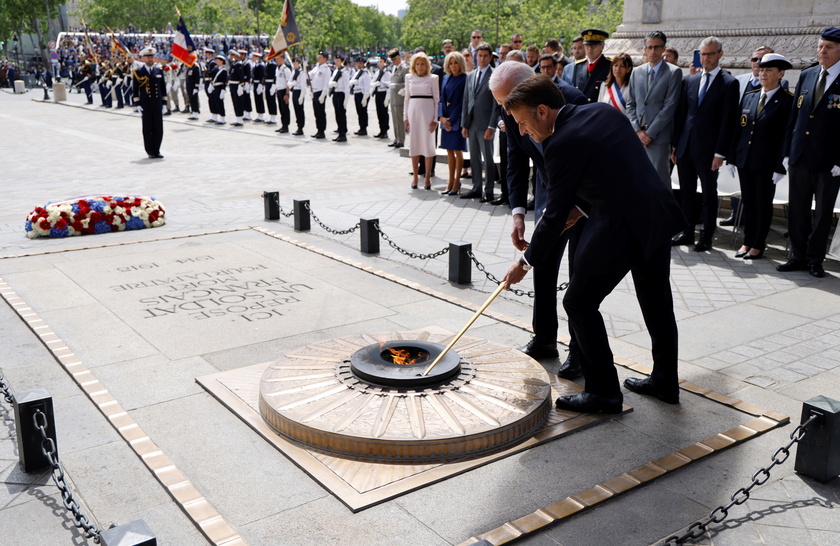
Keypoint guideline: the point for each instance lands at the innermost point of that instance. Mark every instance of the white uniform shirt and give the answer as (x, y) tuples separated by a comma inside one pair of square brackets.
[(384, 80), (363, 84), (320, 77)]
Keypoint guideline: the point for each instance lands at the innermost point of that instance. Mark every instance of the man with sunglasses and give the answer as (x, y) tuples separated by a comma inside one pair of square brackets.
[(516, 41), (476, 37)]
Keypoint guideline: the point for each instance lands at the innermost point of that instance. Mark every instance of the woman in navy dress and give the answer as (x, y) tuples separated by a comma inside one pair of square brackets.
[(449, 115)]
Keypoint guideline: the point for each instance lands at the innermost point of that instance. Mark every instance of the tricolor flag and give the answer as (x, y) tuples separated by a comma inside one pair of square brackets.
[(118, 48), (287, 35), (183, 47)]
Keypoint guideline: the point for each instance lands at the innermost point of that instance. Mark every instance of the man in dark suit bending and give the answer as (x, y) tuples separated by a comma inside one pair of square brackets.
[(632, 217)]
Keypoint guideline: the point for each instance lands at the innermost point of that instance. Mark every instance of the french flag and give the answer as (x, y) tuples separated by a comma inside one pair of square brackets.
[(183, 47)]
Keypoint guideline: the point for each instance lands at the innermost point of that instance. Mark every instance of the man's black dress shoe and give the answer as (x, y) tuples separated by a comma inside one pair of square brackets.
[(340, 138), (586, 402), (539, 350), (792, 265), (155, 156), (283, 130), (381, 135), (686, 240), (571, 368), (816, 270), (360, 132), (483, 200), (471, 195), (499, 201), (647, 387), (299, 132), (319, 135), (702, 246), (393, 144), (398, 145)]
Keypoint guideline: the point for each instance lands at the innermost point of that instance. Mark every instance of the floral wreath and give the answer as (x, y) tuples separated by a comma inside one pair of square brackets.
[(99, 214)]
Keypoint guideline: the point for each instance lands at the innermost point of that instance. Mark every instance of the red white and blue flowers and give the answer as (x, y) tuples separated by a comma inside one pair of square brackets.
[(100, 214)]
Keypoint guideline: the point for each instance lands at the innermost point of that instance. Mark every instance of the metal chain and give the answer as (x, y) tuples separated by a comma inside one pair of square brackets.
[(492, 278), (329, 229), (698, 528), (283, 213), (4, 388), (408, 252), (70, 503)]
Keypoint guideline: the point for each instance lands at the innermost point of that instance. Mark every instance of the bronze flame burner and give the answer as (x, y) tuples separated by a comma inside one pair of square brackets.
[(375, 364)]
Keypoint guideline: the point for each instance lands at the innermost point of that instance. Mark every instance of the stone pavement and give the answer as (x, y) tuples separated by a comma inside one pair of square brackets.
[(747, 331)]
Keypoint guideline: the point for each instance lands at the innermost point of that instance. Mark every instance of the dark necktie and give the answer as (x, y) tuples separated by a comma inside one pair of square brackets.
[(761, 104), (478, 81), (818, 92), (705, 88)]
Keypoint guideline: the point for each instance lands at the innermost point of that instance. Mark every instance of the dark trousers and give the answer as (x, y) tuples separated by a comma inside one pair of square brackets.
[(271, 103), (119, 95), (381, 112), (238, 107), (808, 239), (594, 277), (757, 191), (152, 117), (258, 101), (105, 93), (300, 115), (502, 174), (689, 170), (246, 102), (340, 112), (194, 106), (285, 118), (85, 85), (361, 111), (320, 111), (217, 105)]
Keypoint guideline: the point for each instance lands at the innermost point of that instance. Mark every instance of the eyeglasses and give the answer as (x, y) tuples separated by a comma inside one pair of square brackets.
[(476, 37), (517, 41), (756, 59), (654, 46)]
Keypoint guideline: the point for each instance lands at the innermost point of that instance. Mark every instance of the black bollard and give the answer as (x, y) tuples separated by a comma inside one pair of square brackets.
[(818, 453), (136, 533), (29, 437), (369, 235), (272, 205), (460, 267), (301, 214)]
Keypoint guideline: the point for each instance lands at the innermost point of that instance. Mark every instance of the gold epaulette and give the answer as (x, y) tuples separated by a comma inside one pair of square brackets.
[(788, 91), (580, 61), (756, 90)]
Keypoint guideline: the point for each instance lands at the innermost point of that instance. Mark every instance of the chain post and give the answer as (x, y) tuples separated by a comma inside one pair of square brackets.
[(4, 390), (27, 404), (271, 200), (460, 269), (369, 235), (818, 455), (300, 208), (136, 533)]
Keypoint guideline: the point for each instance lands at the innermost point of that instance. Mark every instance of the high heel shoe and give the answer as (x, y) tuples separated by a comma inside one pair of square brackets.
[(755, 256), (414, 186), (741, 254)]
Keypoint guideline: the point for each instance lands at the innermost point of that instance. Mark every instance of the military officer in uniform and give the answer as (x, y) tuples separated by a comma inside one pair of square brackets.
[(397, 88), (237, 86), (814, 157), (87, 72), (282, 79), (209, 71), (218, 86), (758, 149), (379, 88), (193, 85), (149, 94), (339, 90), (105, 84), (319, 77), (591, 71), (298, 82), (247, 67), (258, 84), (271, 90), (361, 95)]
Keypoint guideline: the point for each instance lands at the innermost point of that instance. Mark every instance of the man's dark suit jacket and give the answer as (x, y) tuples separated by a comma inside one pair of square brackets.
[(703, 130), (590, 83), (758, 141), (812, 140), (594, 155)]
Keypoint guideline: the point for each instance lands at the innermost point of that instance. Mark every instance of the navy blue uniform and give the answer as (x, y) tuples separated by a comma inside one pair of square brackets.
[(149, 94), (589, 81)]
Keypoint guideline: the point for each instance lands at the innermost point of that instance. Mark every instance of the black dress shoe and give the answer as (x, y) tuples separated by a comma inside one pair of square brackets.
[(319, 135), (471, 195), (499, 201), (702, 246), (647, 387), (792, 265), (381, 135), (299, 132), (539, 350), (483, 200), (586, 402), (340, 138), (393, 144), (686, 240), (571, 368), (398, 145), (728, 221), (155, 156), (360, 133), (816, 270), (236, 124)]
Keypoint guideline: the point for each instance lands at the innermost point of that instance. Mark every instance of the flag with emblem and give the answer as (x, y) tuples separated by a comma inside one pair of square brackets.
[(183, 47), (287, 34)]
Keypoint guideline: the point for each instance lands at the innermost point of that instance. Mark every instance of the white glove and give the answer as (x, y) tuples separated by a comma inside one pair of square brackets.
[(387, 100), (209, 88), (777, 177), (293, 84), (365, 101), (119, 81), (260, 89), (732, 170), (250, 87), (354, 81), (163, 109), (785, 163), (240, 90), (346, 100), (835, 171), (375, 84), (301, 99), (139, 109), (108, 85), (323, 98), (222, 94), (333, 84), (195, 91), (272, 89), (401, 92)]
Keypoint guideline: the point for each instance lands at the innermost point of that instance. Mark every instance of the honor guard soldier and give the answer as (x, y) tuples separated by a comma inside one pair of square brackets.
[(87, 73), (379, 88), (116, 84), (258, 84), (105, 84), (591, 71), (126, 87), (271, 90), (208, 71), (217, 90), (319, 78), (149, 94), (246, 97), (361, 95), (339, 90), (237, 86), (298, 82), (282, 79), (193, 83)]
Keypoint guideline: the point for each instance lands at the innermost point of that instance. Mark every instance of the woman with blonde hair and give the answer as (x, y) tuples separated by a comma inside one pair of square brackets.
[(449, 115), (422, 94)]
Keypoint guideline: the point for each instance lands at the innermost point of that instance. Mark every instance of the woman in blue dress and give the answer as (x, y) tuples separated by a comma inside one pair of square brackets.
[(449, 115)]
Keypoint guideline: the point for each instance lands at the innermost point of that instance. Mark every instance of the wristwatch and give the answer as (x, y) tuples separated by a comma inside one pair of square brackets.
[(525, 265)]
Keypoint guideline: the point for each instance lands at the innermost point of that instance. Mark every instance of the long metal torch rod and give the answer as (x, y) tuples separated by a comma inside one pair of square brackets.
[(466, 327)]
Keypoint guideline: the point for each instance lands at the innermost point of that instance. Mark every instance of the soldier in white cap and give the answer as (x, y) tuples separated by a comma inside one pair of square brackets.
[(258, 84), (149, 94)]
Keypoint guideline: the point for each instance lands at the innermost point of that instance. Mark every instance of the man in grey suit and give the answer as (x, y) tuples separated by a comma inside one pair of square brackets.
[(653, 97), (479, 119)]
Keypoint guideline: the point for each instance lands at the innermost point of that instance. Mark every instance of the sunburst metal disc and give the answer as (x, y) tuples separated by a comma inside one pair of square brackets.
[(311, 396)]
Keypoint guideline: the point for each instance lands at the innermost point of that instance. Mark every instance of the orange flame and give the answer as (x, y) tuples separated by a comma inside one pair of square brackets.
[(401, 357)]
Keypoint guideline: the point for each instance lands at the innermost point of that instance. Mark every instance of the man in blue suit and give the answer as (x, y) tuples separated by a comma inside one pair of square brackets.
[(703, 128), (814, 157), (632, 217)]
